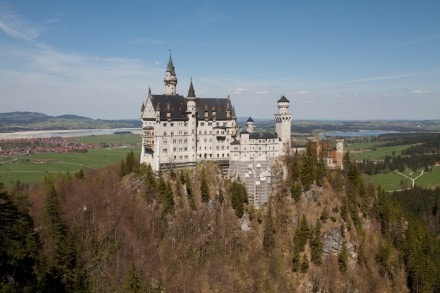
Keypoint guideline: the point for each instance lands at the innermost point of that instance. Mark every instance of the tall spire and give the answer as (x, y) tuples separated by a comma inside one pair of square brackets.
[(191, 92), (170, 78), (170, 67)]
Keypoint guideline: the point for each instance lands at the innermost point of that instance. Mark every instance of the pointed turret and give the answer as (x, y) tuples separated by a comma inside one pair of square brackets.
[(191, 92), (170, 78), (170, 67)]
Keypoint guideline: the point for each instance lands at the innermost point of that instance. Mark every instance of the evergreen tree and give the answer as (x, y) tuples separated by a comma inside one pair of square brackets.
[(64, 269), (238, 197), (122, 169), (304, 264), (308, 172), (204, 189), (316, 244), (166, 195), (296, 191), (19, 250), (295, 170), (296, 261), (343, 258), (269, 231), (301, 235), (321, 168), (133, 281)]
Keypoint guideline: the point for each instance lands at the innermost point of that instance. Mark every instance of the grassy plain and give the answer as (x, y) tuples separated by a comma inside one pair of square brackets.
[(375, 152), (391, 181), (26, 169)]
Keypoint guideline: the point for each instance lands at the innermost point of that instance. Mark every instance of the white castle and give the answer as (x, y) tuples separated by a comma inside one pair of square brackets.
[(182, 131)]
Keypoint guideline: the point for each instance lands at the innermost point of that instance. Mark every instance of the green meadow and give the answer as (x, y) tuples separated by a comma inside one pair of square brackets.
[(376, 152), (27, 168)]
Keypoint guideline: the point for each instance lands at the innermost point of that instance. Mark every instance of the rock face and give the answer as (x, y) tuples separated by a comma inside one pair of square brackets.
[(332, 241)]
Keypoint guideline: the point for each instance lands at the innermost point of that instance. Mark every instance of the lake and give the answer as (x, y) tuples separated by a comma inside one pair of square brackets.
[(360, 133), (64, 133)]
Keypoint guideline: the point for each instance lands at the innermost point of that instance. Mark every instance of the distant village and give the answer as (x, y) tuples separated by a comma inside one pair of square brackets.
[(25, 146)]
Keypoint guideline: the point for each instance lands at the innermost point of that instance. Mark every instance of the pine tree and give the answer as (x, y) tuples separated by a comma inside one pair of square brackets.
[(301, 235), (308, 172), (64, 269), (304, 264), (316, 244), (204, 189), (19, 249), (343, 258), (295, 191), (133, 281), (296, 261), (238, 197), (269, 231)]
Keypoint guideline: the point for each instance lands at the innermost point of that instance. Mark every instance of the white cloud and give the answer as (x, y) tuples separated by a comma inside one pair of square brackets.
[(241, 90), (421, 92), (16, 27), (302, 92), (262, 92)]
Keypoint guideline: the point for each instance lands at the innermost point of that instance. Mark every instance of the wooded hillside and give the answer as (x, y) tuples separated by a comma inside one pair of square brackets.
[(124, 229)]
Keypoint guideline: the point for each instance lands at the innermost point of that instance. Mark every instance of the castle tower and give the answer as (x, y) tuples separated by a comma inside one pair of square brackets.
[(340, 152), (250, 125), (283, 124), (170, 79), (191, 113)]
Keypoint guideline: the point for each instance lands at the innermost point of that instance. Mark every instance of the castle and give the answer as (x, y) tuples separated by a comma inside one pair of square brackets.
[(182, 131)]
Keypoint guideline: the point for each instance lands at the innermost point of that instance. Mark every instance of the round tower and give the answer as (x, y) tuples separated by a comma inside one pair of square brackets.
[(250, 125), (191, 113), (283, 124), (170, 79)]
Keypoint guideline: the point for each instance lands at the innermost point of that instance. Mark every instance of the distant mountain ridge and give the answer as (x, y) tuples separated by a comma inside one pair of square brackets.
[(27, 121)]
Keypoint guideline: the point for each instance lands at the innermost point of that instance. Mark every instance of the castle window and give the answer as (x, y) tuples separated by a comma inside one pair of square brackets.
[(165, 150), (171, 124), (172, 133), (164, 133), (202, 123), (164, 124), (209, 123)]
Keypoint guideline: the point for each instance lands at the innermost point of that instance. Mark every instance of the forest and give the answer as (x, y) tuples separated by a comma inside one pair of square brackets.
[(124, 228)]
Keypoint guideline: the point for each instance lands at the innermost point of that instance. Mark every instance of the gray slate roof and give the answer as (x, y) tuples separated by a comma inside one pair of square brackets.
[(283, 99), (176, 106)]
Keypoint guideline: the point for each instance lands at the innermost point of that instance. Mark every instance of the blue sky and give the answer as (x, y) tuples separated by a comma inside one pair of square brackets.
[(331, 59)]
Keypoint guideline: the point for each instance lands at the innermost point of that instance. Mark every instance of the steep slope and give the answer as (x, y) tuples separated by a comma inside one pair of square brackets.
[(158, 233)]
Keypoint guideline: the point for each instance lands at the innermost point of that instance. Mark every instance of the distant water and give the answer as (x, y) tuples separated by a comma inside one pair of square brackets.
[(360, 133), (64, 133)]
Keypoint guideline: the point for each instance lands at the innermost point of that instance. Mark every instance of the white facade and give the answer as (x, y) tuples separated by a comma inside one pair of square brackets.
[(182, 131)]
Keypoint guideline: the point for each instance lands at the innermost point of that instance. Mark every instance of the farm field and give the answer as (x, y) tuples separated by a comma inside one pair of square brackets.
[(28, 170), (128, 138), (392, 181), (376, 152)]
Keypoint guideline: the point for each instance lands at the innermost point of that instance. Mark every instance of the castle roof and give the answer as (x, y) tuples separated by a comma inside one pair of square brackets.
[(191, 92), (283, 99), (250, 120), (170, 67), (175, 105), (262, 135)]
